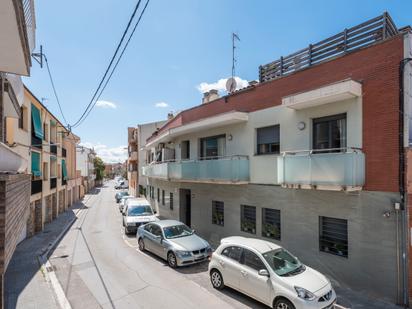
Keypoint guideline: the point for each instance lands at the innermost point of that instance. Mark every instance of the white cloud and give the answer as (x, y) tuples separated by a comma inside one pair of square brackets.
[(106, 104), (108, 154), (220, 85), (161, 104)]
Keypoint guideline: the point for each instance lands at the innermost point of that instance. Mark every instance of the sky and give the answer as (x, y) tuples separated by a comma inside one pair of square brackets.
[(180, 49)]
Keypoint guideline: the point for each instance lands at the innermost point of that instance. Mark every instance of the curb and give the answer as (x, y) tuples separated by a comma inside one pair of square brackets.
[(45, 265)]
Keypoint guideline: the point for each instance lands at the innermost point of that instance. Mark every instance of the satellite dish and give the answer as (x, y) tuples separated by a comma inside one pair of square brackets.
[(231, 85)]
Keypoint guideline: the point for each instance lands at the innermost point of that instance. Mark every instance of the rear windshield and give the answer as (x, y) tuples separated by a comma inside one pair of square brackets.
[(143, 210)]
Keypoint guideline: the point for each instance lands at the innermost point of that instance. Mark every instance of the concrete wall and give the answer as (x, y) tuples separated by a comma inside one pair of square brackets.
[(371, 265)]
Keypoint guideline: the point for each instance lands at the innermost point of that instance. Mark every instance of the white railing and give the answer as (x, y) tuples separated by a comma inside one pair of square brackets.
[(338, 168), (30, 21)]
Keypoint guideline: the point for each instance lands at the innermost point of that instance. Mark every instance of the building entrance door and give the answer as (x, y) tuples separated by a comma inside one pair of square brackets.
[(185, 213)]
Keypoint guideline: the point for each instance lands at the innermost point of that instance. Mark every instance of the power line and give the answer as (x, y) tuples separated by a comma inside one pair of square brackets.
[(109, 66), (116, 64), (54, 89)]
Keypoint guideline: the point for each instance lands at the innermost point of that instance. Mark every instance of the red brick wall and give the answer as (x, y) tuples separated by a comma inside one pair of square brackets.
[(376, 67)]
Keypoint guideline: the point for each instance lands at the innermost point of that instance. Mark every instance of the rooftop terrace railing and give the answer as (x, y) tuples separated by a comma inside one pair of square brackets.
[(349, 40)]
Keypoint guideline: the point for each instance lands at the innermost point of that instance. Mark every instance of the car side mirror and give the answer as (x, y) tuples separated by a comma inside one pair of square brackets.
[(264, 272)]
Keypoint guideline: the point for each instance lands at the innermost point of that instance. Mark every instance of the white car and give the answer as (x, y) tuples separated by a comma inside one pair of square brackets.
[(136, 213), (269, 274), (123, 201)]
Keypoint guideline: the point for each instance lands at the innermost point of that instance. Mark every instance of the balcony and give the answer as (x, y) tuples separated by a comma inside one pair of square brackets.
[(11, 161), (64, 182), (328, 169), (53, 182), (36, 142), (14, 95), (53, 148), (225, 170), (17, 20), (36, 186)]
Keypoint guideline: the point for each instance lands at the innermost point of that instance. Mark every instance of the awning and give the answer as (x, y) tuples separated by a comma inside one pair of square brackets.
[(37, 125), (64, 169), (35, 164)]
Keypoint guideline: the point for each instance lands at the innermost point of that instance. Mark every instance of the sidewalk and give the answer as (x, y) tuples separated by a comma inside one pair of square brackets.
[(25, 284)]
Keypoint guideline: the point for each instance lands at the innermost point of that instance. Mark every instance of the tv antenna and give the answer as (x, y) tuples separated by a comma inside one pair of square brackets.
[(231, 82)]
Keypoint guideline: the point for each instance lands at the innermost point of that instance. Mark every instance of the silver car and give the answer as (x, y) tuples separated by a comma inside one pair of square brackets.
[(173, 241)]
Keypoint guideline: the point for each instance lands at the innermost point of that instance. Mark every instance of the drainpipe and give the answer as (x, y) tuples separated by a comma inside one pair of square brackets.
[(402, 191)]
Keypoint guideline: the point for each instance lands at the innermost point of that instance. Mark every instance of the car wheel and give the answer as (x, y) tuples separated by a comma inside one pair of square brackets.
[(216, 279), (171, 260), (283, 303), (141, 244)]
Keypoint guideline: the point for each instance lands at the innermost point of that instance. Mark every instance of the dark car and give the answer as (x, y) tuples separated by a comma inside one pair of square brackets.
[(118, 196)]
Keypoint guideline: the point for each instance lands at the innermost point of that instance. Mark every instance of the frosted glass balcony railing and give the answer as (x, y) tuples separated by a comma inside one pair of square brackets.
[(335, 169), (231, 169)]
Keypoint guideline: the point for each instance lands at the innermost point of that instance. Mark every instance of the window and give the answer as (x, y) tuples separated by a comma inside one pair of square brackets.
[(218, 217), (213, 147), (53, 166), (35, 164), (171, 201), (156, 230), (23, 118), (185, 150), (158, 195), (59, 171), (329, 132), (248, 219), (271, 223), (46, 131), (251, 260), (148, 227), (268, 140), (163, 197), (232, 252), (45, 171), (333, 236), (36, 122)]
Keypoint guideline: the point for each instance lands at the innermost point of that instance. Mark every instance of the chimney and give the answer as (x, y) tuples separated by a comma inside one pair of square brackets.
[(170, 116), (210, 96)]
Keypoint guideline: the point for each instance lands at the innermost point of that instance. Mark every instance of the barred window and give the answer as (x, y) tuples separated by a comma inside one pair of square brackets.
[(158, 195), (163, 197), (218, 215), (171, 201), (248, 219), (333, 236), (271, 223)]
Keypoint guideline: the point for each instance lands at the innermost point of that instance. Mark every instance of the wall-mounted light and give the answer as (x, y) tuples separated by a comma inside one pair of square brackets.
[(301, 125), (229, 137)]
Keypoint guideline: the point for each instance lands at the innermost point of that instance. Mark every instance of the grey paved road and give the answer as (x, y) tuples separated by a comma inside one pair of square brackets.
[(99, 267)]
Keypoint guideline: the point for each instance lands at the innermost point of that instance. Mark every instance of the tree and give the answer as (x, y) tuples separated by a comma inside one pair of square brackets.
[(99, 167)]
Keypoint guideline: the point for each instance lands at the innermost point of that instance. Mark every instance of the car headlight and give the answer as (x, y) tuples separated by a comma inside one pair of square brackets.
[(304, 294), (183, 253)]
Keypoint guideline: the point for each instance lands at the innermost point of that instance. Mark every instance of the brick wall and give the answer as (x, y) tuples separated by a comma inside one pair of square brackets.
[(376, 67), (14, 212)]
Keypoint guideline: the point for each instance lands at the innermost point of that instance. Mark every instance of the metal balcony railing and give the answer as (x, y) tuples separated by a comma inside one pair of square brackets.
[(36, 142), (349, 40), (228, 169), (30, 21), (335, 169), (36, 186)]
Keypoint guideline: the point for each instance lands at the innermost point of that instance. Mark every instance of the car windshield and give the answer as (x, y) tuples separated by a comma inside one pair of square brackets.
[(144, 210), (176, 231), (283, 263)]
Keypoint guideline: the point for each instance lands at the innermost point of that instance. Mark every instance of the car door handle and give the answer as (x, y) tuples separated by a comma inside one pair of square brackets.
[(244, 273), (221, 262)]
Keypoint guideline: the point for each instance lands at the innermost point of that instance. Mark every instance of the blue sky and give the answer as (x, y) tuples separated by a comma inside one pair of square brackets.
[(178, 45)]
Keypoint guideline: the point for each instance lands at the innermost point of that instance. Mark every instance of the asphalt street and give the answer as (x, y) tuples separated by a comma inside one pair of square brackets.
[(100, 267)]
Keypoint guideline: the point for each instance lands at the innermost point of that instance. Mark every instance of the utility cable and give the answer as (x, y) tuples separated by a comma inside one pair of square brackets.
[(54, 89), (116, 64), (110, 64)]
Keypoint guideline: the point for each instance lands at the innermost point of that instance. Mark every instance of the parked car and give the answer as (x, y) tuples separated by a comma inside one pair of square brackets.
[(123, 201), (269, 274), (119, 185), (118, 196), (173, 241), (136, 213)]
